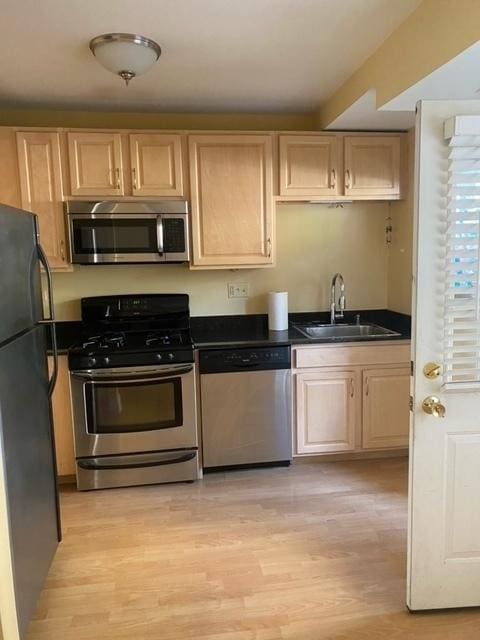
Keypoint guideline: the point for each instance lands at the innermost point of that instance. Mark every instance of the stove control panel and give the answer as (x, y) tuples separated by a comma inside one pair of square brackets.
[(79, 361)]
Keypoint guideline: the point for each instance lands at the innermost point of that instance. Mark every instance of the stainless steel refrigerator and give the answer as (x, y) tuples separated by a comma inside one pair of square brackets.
[(29, 511)]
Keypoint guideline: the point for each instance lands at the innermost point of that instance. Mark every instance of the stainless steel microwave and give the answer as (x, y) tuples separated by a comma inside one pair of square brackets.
[(128, 232)]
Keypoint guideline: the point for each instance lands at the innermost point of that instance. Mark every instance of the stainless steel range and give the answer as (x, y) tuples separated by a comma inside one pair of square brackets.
[(133, 390)]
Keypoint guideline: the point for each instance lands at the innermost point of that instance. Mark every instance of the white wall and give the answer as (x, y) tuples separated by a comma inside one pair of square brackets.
[(313, 242)]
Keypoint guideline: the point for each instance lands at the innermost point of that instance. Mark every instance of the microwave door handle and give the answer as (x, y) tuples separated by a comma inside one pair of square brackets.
[(160, 235)]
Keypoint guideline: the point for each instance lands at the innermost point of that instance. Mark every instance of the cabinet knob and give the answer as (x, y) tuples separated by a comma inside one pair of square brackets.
[(269, 248), (117, 171), (333, 179), (62, 250), (134, 177), (347, 179)]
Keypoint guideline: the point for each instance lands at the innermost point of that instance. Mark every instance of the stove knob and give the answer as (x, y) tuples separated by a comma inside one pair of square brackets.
[(106, 360), (171, 356), (92, 362), (158, 356)]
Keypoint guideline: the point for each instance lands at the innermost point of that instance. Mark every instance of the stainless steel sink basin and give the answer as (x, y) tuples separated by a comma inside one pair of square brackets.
[(342, 331)]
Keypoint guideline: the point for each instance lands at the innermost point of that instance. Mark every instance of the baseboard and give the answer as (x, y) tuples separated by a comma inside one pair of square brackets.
[(352, 455)]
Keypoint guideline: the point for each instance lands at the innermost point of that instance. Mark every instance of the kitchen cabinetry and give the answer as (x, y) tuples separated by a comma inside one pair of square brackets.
[(351, 397), (386, 416), (372, 166), (156, 163), (41, 191), (63, 420), (354, 167), (326, 411), (309, 165), (100, 164), (9, 175), (95, 161), (232, 200)]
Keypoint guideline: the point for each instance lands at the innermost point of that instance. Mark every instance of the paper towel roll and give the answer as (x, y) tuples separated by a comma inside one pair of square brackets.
[(278, 310)]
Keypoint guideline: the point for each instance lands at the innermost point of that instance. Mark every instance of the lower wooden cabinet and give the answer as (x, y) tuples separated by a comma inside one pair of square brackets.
[(63, 419), (386, 417), (326, 408), (351, 398)]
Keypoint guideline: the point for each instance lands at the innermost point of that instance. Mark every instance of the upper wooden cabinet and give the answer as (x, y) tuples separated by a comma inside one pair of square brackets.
[(309, 165), (95, 161), (41, 191), (232, 200), (354, 167), (372, 166), (101, 165), (156, 162)]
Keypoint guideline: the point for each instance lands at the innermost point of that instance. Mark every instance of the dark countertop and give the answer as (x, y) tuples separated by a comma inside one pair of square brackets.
[(252, 330)]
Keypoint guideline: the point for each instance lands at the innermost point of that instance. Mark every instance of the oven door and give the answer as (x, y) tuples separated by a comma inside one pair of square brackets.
[(106, 238), (134, 410)]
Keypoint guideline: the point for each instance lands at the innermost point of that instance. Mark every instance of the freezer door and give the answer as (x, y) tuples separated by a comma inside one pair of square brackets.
[(20, 292), (27, 479)]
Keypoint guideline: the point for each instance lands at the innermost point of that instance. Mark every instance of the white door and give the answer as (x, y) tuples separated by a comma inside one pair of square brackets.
[(444, 493)]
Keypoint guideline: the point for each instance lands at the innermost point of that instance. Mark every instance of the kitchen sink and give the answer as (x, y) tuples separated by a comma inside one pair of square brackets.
[(341, 331)]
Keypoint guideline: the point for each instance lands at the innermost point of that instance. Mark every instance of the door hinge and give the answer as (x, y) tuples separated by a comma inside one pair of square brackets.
[(410, 403)]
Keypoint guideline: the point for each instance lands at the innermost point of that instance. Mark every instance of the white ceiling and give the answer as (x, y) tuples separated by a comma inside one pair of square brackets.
[(364, 115), (458, 79), (218, 55)]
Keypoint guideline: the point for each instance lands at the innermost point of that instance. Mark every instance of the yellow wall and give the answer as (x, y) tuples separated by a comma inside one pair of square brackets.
[(436, 32), (313, 242), (400, 251), (130, 120)]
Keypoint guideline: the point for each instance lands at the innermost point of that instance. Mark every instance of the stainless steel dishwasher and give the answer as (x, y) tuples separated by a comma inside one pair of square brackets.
[(246, 402)]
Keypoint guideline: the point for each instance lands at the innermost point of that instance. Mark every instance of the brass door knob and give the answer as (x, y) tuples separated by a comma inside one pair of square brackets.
[(431, 370), (433, 407)]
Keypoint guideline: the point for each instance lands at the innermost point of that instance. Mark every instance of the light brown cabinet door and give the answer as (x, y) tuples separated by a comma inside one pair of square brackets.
[(63, 419), (386, 415), (309, 165), (41, 189), (95, 161), (326, 411), (156, 162), (232, 200), (372, 166)]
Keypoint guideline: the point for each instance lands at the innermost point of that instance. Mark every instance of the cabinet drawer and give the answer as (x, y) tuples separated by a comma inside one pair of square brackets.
[(351, 355)]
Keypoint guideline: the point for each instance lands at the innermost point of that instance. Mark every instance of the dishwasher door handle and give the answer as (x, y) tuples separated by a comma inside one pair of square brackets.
[(246, 365)]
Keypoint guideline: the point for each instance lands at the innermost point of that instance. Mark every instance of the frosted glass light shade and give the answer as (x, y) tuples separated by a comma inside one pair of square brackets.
[(125, 54)]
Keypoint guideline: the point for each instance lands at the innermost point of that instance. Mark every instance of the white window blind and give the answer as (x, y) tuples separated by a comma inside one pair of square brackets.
[(462, 293)]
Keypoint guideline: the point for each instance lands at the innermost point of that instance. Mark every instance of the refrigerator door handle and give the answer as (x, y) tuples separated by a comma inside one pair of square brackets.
[(51, 319)]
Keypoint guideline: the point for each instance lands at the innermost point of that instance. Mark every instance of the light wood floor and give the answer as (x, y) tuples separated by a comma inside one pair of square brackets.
[(313, 552)]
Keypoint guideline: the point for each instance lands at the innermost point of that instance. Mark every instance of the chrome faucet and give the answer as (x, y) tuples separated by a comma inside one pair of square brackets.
[(337, 314)]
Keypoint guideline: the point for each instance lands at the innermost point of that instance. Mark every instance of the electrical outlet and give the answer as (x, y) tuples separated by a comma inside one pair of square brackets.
[(238, 290)]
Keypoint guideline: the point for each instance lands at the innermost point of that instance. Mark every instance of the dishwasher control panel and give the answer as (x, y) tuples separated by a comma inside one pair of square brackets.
[(244, 359)]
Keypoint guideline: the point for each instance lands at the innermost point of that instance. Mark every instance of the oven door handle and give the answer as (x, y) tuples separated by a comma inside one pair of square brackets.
[(95, 465), (116, 379)]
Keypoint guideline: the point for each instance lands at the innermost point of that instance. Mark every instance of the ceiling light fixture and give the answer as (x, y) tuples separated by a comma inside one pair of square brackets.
[(125, 54)]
